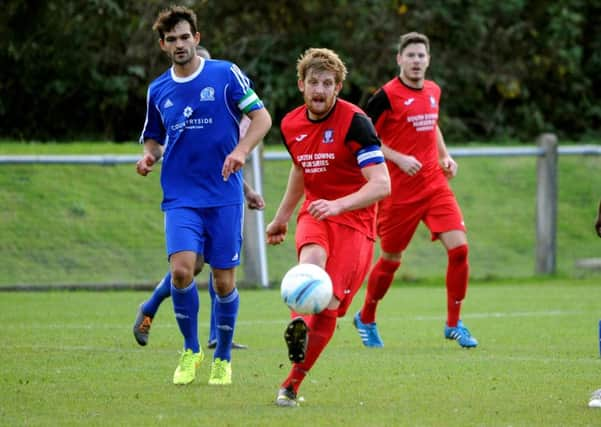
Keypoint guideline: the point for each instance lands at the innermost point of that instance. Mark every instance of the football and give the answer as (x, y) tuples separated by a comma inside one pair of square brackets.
[(306, 289)]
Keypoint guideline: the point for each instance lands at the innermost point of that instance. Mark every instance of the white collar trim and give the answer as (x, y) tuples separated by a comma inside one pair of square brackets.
[(192, 76)]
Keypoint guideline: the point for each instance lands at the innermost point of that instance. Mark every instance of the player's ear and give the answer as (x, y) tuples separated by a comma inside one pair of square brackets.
[(338, 88), (162, 44), (301, 85)]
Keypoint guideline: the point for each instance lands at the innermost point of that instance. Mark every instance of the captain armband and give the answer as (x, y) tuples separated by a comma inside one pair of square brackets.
[(370, 155)]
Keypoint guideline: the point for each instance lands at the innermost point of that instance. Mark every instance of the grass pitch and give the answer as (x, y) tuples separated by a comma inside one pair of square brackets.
[(69, 358)]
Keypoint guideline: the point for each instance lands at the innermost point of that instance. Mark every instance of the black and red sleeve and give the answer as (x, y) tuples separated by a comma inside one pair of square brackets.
[(377, 104)]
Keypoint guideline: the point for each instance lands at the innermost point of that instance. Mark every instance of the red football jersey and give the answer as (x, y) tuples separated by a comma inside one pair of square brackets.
[(328, 158), (407, 124)]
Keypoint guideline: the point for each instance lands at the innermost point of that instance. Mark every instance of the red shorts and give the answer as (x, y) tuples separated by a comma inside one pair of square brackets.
[(349, 253), (396, 223)]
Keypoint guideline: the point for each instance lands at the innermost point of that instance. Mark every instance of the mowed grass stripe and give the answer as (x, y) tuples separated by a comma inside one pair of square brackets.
[(69, 358), (347, 320)]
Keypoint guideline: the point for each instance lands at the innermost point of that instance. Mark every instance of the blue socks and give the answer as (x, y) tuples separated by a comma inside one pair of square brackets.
[(212, 333), (186, 305), (226, 312), (161, 291)]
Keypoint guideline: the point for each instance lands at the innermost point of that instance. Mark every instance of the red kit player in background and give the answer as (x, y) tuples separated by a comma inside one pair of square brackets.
[(405, 113), (338, 167)]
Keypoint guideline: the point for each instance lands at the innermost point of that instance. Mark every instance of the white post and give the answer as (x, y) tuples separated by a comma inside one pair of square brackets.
[(253, 249), (546, 204)]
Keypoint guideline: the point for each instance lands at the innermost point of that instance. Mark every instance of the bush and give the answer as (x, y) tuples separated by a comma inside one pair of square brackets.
[(508, 70)]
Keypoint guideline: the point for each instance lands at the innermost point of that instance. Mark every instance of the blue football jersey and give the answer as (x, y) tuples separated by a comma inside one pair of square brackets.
[(197, 119)]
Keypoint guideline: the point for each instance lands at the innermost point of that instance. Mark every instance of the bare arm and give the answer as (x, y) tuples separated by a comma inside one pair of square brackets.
[(253, 199), (276, 230), (376, 188), (260, 123), (448, 165), (407, 163), (153, 151)]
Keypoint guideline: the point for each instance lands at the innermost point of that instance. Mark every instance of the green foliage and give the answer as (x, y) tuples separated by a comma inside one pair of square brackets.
[(509, 70), (69, 359)]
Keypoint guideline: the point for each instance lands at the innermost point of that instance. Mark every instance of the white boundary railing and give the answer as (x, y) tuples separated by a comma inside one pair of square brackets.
[(255, 268)]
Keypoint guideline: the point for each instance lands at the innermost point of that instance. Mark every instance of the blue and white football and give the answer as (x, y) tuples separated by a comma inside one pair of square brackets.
[(306, 289)]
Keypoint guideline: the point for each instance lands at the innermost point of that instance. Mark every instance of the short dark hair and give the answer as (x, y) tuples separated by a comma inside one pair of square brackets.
[(413, 37), (170, 17)]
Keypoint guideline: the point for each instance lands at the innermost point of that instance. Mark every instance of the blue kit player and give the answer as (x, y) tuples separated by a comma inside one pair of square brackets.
[(148, 309), (192, 121)]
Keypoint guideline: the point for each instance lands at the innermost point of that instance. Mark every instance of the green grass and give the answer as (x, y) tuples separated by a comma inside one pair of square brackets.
[(69, 358), (69, 224)]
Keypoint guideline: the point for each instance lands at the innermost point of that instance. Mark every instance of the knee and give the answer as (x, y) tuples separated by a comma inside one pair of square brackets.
[(458, 255), (223, 281), (313, 254), (181, 275), (389, 264)]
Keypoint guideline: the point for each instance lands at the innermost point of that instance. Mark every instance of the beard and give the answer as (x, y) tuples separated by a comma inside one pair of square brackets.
[(182, 57), (320, 106)]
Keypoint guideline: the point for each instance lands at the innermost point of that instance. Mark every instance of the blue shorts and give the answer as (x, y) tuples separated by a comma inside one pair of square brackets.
[(215, 233)]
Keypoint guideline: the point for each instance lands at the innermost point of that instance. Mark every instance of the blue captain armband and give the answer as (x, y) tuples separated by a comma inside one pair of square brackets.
[(371, 155)]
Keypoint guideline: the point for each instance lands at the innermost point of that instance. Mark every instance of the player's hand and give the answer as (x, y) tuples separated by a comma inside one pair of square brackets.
[(598, 226), (276, 232), (408, 164), (449, 167), (321, 209), (145, 164), (254, 200), (233, 163)]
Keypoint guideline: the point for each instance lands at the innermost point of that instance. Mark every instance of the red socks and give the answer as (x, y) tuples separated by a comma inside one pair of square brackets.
[(321, 329), (378, 284), (457, 277)]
